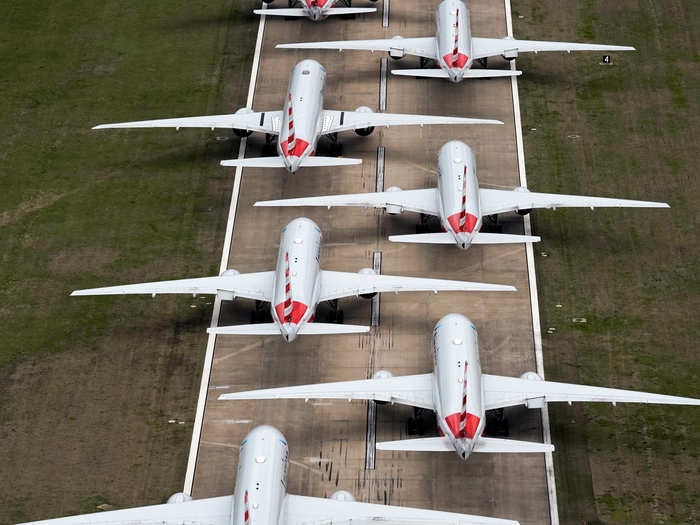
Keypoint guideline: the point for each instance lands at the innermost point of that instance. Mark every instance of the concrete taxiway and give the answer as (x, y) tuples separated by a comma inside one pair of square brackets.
[(329, 439)]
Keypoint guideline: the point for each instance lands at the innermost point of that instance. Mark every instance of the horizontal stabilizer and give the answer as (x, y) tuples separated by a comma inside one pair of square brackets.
[(479, 238), (273, 329), (425, 238), (432, 444), (502, 238), (469, 73), (327, 12), (277, 162), (496, 445)]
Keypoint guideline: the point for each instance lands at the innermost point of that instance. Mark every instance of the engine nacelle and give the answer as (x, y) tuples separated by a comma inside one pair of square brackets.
[(524, 211), (364, 132), (510, 54), (230, 272), (179, 497), (242, 132), (539, 401), (397, 52), (393, 209), (367, 271), (382, 374), (342, 495)]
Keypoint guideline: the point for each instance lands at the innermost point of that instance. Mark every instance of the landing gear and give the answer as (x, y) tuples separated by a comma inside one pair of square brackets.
[(490, 224), (336, 315), (427, 224), (496, 423), (422, 422), (261, 314), (346, 3), (268, 149), (336, 147)]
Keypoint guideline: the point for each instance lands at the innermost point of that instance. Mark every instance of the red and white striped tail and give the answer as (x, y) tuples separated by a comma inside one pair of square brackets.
[(291, 141), (463, 413), (246, 509), (287, 291), (455, 51), (463, 213)]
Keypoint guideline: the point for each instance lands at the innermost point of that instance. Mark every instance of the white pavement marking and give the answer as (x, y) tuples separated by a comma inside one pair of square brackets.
[(208, 358), (532, 277)]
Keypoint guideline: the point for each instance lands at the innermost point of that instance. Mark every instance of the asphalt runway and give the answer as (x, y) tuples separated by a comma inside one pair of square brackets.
[(328, 439)]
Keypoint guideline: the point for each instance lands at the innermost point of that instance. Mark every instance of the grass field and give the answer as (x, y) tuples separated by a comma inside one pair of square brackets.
[(87, 386), (627, 130)]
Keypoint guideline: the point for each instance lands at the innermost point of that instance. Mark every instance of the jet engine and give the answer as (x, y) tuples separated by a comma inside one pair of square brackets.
[(524, 211), (510, 54), (367, 271), (243, 132), (392, 209), (537, 402), (397, 52), (364, 132), (230, 272), (179, 497), (382, 374), (342, 495)]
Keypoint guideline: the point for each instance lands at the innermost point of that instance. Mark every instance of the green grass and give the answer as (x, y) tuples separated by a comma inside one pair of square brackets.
[(628, 130), (87, 384)]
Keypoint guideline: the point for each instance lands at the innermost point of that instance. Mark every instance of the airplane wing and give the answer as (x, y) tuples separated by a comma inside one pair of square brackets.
[(503, 391), (249, 285), (422, 47), (210, 511), (335, 121), (344, 284), (303, 510), (488, 47), (414, 391), (499, 201), (264, 122), (420, 201)]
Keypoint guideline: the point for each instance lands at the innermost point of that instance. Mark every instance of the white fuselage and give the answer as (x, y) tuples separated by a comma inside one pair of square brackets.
[(297, 277), (458, 190), (458, 387), (316, 10), (453, 38), (301, 115), (261, 479)]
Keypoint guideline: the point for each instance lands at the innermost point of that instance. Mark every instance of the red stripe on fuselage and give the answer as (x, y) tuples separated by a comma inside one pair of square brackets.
[(469, 223), (452, 63), (472, 424), (298, 150), (298, 311)]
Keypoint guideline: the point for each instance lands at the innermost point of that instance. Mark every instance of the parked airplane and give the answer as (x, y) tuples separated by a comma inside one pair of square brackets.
[(460, 394), (296, 287), (316, 10), (454, 48), (260, 498), (460, 203), (300, 124)]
